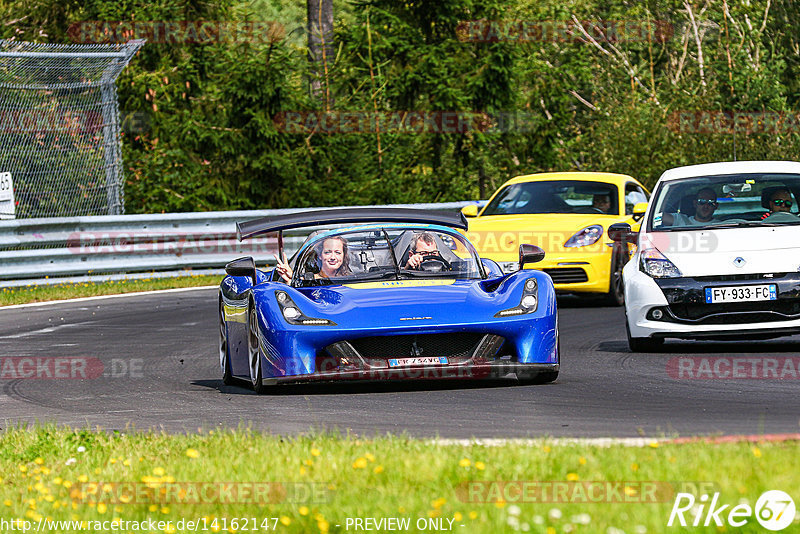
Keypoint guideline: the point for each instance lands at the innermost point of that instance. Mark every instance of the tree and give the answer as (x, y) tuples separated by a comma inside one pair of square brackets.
[(320, 47)]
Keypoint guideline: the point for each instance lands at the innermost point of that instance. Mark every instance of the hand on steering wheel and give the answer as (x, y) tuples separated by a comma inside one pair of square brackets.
[(434, 262)]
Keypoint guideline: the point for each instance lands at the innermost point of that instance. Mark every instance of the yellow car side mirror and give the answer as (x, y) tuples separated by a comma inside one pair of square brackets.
[(638, 210), (470, 211)]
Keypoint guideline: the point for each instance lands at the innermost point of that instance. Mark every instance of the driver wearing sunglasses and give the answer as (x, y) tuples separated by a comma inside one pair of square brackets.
[(779, 202), (705, 204)]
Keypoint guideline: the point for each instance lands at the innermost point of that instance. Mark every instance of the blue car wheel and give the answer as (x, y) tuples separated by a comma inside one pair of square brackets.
[(254, 352), (224, 358)]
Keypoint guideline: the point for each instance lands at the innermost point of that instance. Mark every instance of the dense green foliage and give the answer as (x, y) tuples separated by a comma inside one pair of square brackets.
[(210, 139)]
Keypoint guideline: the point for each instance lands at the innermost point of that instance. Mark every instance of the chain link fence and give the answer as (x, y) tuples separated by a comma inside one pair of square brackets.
[(59, 127)]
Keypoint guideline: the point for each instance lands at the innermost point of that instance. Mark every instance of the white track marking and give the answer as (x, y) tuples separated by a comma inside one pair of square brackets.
[(103, 297)]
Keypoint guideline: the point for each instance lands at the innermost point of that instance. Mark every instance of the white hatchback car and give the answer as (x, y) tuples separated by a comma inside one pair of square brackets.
[(718, 255)]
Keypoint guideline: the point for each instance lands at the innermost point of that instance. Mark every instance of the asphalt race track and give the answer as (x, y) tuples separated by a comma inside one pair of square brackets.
[(155, 357)]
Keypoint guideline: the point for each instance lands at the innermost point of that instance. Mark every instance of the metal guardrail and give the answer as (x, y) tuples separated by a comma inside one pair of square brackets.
[(52, 250)]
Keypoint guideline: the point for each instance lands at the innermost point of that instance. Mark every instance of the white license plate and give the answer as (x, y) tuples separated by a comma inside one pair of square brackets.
[(715, 295), (403, 362)]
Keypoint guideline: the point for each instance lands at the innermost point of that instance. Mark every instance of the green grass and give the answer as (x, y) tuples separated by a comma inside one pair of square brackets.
[(43, 474), (27, 294)]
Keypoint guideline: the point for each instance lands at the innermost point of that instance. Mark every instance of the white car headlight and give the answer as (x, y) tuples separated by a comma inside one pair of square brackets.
[(653, 263)]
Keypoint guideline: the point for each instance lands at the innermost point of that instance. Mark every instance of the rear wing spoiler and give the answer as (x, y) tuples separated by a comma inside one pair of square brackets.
[(279, 223)]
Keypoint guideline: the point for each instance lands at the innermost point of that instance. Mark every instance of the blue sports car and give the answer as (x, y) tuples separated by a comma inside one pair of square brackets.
[(393, 294)]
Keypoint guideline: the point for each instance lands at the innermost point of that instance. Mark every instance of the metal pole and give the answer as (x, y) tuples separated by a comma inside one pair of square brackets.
[(110, 148)]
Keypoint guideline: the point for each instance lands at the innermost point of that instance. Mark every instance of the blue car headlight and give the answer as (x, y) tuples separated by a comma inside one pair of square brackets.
[(585, 237), (527, 304), (292, 314)]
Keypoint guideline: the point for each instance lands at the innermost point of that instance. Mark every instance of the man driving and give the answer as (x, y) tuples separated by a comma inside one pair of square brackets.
[(705, 204), (424, 245), (601, 202)]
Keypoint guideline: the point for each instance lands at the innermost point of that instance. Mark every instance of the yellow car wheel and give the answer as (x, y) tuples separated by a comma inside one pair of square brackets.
[(616, 287)]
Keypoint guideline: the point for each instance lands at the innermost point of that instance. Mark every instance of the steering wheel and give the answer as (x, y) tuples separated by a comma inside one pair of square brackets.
[(434, 263)]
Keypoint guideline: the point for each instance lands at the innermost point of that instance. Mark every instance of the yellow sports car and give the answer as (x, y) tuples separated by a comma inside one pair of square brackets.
[(567, 214)]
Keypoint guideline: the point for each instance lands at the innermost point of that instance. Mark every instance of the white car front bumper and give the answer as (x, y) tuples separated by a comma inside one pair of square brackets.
[(643, 294)]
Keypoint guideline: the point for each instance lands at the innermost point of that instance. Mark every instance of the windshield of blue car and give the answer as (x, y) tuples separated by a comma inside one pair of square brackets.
[(725, 201), (386, 254), (557, 196)]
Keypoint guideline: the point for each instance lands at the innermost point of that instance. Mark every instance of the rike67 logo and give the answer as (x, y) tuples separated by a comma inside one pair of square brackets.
[(774, 510)]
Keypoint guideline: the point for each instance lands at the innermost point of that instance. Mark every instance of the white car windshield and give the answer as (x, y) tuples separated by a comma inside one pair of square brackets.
[(725, 201), (386, 254)]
